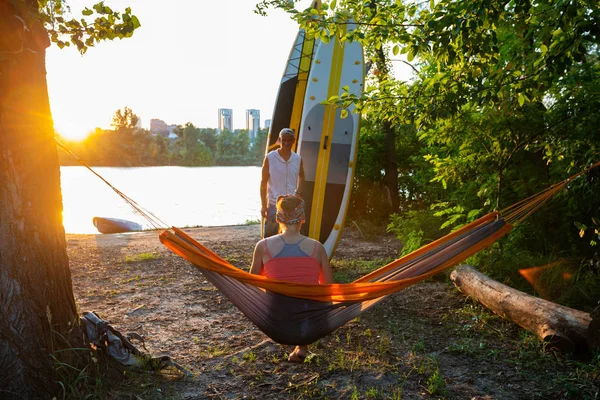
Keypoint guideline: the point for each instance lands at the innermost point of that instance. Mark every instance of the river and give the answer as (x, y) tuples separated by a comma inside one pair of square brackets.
[(179, 196)]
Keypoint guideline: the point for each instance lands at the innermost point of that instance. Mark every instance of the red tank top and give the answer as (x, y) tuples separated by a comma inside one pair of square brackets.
[(292, 264)]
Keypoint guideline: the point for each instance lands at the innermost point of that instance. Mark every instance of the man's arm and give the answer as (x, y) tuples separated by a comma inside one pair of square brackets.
[(300, 183), (263, 188)]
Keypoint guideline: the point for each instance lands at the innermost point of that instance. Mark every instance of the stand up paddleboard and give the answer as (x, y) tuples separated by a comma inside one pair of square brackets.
[(287, 112), (328, 143)]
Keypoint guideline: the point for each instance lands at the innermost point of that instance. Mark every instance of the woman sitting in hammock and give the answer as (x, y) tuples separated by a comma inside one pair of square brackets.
[(291, 256)]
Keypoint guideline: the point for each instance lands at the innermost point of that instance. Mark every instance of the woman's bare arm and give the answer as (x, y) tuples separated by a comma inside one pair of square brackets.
[(257, 258), (325, 266)]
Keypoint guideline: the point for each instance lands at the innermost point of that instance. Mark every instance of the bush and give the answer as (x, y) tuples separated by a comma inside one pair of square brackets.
[(416, 228)]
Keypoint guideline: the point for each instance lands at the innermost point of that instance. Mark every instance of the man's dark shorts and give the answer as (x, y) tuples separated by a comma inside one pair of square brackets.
[(271, 226)]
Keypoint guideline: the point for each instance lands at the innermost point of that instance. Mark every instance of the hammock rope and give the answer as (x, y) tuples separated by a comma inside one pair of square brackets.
[(152, 219), (517, 212)]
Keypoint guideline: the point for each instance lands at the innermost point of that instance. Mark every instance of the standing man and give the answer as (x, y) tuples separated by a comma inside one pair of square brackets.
[(282, 173)]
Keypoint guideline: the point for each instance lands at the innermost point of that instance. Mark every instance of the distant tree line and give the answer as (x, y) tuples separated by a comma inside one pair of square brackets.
[(126, 145)]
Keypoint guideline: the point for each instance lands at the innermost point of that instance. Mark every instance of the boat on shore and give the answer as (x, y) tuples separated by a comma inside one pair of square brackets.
[(115, 225)]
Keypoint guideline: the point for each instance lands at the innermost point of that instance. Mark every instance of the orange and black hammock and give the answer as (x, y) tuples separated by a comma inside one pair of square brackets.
[(294, 313)]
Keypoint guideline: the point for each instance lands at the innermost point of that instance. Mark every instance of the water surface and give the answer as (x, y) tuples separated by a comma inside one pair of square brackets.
[(179, 196)]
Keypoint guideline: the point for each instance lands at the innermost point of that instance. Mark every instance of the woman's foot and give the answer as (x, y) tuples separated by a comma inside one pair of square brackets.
[(298, 355)]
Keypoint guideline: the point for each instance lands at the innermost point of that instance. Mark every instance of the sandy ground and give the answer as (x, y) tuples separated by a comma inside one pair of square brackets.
[(420, 343)]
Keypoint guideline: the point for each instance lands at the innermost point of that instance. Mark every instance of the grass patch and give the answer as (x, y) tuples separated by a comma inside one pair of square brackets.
[(345, 271), (142, 257)]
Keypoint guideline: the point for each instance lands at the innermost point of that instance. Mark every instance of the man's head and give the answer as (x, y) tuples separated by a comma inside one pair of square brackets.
[(287, 138)]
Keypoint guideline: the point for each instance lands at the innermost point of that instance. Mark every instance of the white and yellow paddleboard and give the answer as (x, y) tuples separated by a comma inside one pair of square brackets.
[(287, 112), (328, 143)]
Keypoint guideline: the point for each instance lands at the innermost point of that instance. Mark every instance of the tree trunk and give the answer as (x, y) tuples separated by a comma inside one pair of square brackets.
[(561, 327), (36, 294), (390, 163)]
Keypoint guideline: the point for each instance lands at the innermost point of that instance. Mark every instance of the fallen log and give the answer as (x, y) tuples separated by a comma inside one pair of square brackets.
[(563, 328)]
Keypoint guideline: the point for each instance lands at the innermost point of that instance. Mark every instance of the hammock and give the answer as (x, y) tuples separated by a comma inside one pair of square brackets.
[(297, 314), (293, 313)]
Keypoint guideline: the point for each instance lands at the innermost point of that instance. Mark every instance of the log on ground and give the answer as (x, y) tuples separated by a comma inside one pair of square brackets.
[(563, 328)]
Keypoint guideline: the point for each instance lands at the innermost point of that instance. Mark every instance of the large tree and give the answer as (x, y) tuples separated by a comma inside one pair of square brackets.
[(37, 307)]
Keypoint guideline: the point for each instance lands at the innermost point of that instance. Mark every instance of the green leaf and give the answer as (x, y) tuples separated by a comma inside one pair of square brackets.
[(395, 50), (521, 99), (135, 21), (431, 4), (87, 12), (344, 113), (333, 4)]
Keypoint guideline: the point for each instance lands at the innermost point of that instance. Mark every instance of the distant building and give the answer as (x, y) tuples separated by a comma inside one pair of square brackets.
[(225, 120), (172, 129), (267, 124), (138, 123), (252, 123), (159, 127)]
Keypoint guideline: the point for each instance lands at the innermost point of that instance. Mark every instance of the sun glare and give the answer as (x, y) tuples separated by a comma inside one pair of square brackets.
[(73, 132)]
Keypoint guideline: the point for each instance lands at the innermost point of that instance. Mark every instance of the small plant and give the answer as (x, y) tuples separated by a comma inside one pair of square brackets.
[(216, 351), (396, 394), (252, 222), (250, 356), (373, 393), (418, 346), (142, 257), (384, 345), (435, 383)]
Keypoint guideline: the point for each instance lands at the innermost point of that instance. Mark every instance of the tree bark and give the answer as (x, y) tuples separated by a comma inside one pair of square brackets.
[(390, 162), (561, 327), (37, 307)]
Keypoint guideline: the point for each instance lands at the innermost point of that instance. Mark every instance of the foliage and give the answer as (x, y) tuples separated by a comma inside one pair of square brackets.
[(501, 104), (97, 23), (572, 285), (128, 145), (416, 229)]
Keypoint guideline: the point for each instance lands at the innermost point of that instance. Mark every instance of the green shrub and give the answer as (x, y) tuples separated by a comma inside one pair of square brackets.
[(416, 229)]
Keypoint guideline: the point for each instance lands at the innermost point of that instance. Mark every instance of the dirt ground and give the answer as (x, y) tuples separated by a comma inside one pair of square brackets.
[(427, 341)]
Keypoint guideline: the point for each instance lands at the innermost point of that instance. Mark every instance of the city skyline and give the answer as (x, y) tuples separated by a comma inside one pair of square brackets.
[(224, 121)]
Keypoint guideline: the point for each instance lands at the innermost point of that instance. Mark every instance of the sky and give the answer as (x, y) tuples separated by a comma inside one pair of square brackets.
[(188, 59)]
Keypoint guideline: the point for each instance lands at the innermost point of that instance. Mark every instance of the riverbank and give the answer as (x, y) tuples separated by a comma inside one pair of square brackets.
[(427, 341)]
